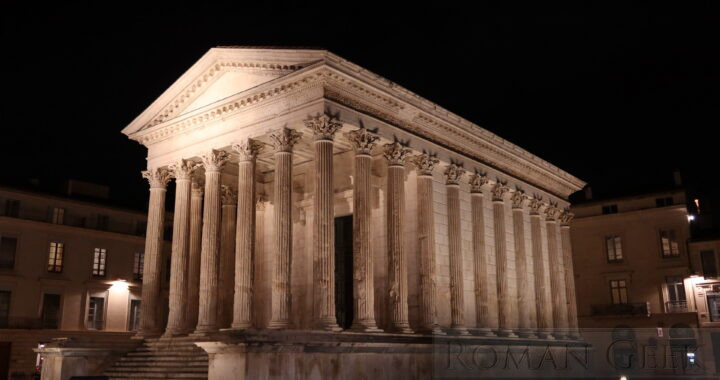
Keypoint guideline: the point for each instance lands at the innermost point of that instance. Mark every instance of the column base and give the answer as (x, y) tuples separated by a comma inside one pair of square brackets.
[(328, 324), (544, 334), (401, 328), (277, 325), (367, 327), (527, 333), (169, 334), (240, 326), (458, 330), (145, 335), (434, 330), (203, 331), (482, 331), (506, 333), (560, 335)]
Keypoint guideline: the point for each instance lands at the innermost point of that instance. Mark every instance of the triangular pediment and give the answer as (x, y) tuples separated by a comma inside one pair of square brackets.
[(220, 73)]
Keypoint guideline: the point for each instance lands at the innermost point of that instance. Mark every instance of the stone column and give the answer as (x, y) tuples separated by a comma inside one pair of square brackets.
[(324, 128), (226, 273), (483, 308), (543, 306), (557, 275), (453, 173), (363, 281), (149, 324), (426, 244), (213, 162), (283, 142), (565, 219), (396, 154), (524, 286), (245, 234), (503, 277), (195, 245), (181, 170)]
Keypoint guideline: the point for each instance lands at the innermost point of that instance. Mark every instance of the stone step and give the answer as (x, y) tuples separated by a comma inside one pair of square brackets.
[(156, 349), (136, 376), (162, 363), (182, 359), (160, 369), (166, 353)]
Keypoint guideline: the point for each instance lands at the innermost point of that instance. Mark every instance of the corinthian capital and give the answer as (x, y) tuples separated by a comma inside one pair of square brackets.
[(453, 174), (518, 198), (247, 149), (396, 153), (498, 191), (158, 178), (477, 181), (425, 163), (214, 160), (551, 213), (182, 169), (197, 186), (362, 140), (228, 195), (284, 139), (565, 218), (324, 126), (535, 205)]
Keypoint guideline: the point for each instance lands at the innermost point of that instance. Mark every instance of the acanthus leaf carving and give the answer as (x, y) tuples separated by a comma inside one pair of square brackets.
[(536, 204), (498, 191), (247, 149), (518, 198), (551, 212), (214, 159), (324, 126), (183, 169), (566, 217), (284, 139), (229, 195), (362, 140), (453, 174), (158, 177), (477, 181), (396, 153), (425, 163)]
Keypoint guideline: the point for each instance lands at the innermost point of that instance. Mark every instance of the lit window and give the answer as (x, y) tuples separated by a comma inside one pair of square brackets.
[(618, 292), (55, 258), (138, 266), (98, 269), (58, 215), (613, 248), (668, 241)]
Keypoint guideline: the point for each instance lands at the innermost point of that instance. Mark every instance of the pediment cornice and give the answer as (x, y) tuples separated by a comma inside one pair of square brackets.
[(356, 88)]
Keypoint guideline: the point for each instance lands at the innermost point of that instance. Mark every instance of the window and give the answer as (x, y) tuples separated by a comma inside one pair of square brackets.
[(618, 292), (4, 308), (662, 202), (609, 209), (613, 248), (50, 311), (98, 269), (669, 243), (8, 246), (96, 309), (55, 258), (58, 216), (12, 208), (103, 222), (709, 265), (138, 265), (677, 301), (134, 315)]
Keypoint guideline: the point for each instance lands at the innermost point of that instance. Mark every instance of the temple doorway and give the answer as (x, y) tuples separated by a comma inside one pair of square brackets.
[(344, 270)]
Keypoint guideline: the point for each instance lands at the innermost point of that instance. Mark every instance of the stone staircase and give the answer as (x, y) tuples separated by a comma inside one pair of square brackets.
[(177, 358)]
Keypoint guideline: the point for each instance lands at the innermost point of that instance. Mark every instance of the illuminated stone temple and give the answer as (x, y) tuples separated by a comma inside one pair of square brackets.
[(329, 223)]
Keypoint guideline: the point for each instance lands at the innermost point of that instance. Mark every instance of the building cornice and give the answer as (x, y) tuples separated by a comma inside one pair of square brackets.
[(348, 84)]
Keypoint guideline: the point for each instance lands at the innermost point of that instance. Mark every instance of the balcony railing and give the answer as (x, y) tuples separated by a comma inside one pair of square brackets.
[(622, 309), (97, 324), (676, 307)]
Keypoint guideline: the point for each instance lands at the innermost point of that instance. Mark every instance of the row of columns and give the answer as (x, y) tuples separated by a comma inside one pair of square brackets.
[(206, 273)]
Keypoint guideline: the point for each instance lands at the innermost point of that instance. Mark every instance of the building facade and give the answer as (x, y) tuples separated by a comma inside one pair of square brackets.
[(66, 265)]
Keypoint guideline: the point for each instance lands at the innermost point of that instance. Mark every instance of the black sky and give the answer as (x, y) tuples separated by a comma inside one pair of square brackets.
[(618, 94)]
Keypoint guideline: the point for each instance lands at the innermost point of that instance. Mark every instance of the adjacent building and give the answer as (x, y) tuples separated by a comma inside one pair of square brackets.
[(67, 264)]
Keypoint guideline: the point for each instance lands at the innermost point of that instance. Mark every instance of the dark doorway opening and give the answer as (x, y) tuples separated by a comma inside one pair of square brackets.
[(50, 311), (5, 359), (344, 270)]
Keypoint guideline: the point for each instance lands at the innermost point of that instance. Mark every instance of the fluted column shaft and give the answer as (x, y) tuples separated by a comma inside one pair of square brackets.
[(210, 252), (245, 235), (397, 265), (569, 281), (503, 280), (484, 309), (280, 302), (557, 281), (226, 274), (195, 245), (149, 323), (457, 289), (426, 247), (363, 282), (524, 286), (543, 305), (179, 259)]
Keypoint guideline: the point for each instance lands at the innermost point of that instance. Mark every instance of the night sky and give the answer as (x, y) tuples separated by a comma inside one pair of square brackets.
[(617, 94)]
